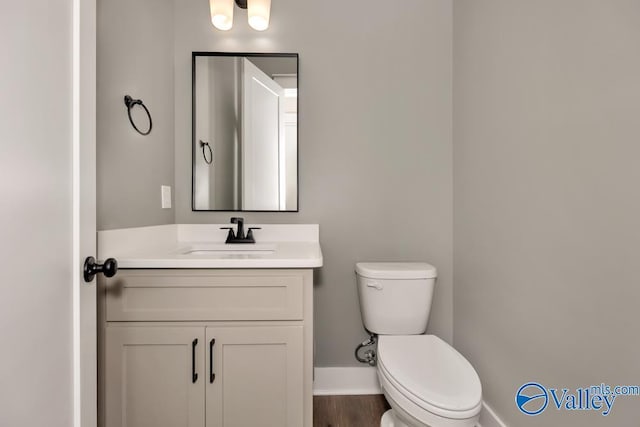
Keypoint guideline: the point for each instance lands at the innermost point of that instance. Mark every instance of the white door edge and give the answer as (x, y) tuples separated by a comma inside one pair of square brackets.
[(83, 205)]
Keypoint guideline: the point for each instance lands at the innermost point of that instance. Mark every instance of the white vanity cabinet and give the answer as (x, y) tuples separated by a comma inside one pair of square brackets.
[(206, 348)]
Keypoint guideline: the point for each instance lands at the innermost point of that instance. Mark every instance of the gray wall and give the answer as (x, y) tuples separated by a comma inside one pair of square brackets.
[(224, 133), (35, 219), (216, 123), (271, 66), (375, 141), (547, 199), (135, 57)]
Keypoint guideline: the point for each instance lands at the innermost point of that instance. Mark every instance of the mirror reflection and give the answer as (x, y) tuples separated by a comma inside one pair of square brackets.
[(245, 132)]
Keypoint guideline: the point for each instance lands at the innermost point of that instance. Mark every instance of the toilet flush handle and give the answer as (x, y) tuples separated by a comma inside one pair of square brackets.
[(378, 286)]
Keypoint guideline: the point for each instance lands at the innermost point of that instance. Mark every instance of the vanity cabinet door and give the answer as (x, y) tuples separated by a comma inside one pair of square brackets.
[(259, 371), (154, 376)]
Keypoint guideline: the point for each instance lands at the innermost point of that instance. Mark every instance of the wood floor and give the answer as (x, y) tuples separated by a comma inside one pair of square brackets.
[(348, 411)]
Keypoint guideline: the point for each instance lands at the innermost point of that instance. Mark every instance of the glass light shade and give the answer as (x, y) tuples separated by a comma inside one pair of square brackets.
[(222, 14), (258, 12)]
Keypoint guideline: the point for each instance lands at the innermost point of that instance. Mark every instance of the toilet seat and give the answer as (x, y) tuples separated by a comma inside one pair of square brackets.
[(430, 374)]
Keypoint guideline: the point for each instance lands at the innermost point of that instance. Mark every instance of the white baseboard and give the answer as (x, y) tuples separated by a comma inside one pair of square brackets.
[(345, 381), (364, 380), (489, 418)]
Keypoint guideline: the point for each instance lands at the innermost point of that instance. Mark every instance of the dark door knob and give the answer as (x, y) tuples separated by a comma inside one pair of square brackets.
[(91, 268)]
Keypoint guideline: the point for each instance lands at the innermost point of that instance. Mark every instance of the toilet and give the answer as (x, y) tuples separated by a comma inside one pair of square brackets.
[(425, 380)]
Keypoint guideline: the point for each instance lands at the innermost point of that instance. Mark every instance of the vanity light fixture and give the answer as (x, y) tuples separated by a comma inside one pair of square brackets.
[(258, 12)]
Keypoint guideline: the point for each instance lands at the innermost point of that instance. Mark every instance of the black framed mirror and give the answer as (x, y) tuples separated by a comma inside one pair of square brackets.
[(245, 132)]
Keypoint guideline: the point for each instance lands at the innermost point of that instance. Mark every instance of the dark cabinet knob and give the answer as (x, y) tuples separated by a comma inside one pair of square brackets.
[(91, 268)]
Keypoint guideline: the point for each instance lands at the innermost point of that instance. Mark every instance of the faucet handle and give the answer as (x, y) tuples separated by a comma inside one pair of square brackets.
[(249, 237), (237, 220), (230, 234), (250, 232)]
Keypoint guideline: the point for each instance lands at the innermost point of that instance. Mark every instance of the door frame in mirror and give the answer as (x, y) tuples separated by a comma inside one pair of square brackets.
[(196, 54)]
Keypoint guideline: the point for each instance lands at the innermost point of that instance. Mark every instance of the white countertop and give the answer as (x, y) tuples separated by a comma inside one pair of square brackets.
[(202, 246)]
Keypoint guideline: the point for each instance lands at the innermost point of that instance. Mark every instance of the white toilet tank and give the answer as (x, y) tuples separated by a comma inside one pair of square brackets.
[(395, 297)]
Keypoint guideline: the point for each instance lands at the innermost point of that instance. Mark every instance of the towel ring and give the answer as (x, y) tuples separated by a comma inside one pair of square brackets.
[(202, 145), (130, 103)]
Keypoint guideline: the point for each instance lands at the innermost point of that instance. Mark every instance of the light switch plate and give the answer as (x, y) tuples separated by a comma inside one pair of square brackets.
[(166, 196)]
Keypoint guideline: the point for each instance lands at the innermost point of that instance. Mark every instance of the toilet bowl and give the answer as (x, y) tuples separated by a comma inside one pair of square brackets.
[(425, 380)]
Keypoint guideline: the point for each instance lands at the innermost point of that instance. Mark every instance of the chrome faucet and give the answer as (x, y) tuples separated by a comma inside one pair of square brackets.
[(238, 236)]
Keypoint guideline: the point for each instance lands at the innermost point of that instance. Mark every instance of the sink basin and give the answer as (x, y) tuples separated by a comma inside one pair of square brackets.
[(219, 249)]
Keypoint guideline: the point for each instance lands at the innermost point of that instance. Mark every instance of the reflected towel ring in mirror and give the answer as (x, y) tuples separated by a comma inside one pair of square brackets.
[(130, 103), (202, 145)]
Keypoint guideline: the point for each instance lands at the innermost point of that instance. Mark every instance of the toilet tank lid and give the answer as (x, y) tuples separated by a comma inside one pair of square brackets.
[(396, 270)]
